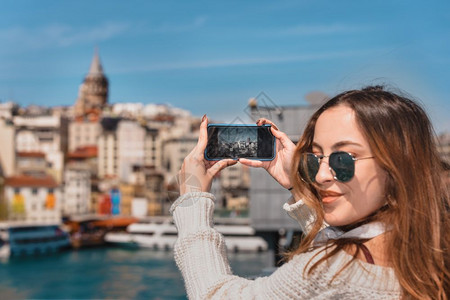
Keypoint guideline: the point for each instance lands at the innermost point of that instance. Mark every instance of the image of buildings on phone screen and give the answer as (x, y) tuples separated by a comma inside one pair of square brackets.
[(237, 142)]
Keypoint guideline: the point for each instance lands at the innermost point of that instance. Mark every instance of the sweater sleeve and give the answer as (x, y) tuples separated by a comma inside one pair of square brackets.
[(200, 254), (300, 212)]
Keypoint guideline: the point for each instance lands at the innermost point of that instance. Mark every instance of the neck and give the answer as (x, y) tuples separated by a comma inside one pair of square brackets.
[(377, 248)]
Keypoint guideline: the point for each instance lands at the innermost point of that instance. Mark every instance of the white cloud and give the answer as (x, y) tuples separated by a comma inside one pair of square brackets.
[(180, 28), (322, 29), (62, 35), (59, 35), (246, 61)]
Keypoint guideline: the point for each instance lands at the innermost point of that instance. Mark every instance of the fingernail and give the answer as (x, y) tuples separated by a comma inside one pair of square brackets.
[(204, 117)]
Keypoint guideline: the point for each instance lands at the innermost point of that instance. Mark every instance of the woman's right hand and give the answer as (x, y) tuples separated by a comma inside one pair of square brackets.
[(280, 167)]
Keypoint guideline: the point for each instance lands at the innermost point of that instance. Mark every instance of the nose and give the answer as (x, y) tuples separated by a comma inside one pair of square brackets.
[(324, 174)]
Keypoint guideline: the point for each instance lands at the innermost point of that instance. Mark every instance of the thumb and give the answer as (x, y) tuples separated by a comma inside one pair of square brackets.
[(220, 165)]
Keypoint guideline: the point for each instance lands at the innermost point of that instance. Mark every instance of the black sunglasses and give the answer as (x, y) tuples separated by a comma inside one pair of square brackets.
[(341, 164)]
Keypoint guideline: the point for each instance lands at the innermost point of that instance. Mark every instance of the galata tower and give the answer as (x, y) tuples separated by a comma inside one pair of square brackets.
[(93, 92)]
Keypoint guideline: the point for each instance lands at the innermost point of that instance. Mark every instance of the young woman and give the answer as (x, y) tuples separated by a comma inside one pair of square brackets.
[(367, 188)]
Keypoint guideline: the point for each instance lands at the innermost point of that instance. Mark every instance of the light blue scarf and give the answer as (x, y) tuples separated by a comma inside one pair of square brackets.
[(366, 231)]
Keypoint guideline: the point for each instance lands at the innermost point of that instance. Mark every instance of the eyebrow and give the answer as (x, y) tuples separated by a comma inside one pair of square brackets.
[(339, 144)]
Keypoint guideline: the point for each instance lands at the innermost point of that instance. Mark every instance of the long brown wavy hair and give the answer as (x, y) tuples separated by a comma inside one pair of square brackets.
[(402, 141)]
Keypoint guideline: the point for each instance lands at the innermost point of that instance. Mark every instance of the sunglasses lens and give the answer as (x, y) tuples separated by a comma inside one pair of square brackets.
[(309, 166), (343, 165)]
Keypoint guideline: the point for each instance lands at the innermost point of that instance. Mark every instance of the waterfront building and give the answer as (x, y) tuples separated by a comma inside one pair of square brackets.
[(108, 153), (266, 195), (31, 163), (152, 148), (120, 146), (128, 192), (234, 184), (130, 145), (47, 134), (33, 198), (7, 150), (139, 207), (77, 189), (155, 192), (83, 132), (3, 204), (124, 144), (85, 155), (93, 92), (128, 110), (8, 109), (175, 149), (86, 158), (146, 182)]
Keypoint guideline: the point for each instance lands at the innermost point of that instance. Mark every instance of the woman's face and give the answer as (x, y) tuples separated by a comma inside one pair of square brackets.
[(347, 202)]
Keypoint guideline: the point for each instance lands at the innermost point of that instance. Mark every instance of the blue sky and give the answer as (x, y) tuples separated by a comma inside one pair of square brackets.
[(212, 56)]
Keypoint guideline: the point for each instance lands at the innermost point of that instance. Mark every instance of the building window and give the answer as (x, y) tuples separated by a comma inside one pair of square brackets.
[(34, 191)]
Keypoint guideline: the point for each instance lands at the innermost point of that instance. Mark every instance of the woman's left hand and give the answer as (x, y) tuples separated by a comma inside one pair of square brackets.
[(197, 173)]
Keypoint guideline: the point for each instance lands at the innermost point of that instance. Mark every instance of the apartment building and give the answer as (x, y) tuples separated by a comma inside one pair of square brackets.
[(46, 134), (7, 150), (33, 198), (77, 189), (83, 133)]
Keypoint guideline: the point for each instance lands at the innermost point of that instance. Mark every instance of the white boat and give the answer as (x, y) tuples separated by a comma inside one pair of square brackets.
[(162, 234), (28, 238)]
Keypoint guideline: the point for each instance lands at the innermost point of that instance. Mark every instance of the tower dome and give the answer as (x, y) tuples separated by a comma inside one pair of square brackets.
[(93, 92)]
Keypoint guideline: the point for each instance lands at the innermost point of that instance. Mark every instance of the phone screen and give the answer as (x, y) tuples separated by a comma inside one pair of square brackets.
[(240, 141)]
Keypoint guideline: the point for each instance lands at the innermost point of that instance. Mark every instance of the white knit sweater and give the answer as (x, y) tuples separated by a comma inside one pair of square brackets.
[(201, 257)]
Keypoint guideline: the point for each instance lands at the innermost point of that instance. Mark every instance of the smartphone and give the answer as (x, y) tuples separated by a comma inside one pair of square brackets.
[(240, 141)]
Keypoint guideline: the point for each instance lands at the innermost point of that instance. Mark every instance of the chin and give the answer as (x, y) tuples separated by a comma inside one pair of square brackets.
[(333, 220)]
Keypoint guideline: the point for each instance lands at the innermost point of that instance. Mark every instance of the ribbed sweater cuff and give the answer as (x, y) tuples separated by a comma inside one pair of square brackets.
[(193, 211)]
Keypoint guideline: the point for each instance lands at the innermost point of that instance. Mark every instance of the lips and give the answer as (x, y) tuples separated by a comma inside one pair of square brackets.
[(329, 196)]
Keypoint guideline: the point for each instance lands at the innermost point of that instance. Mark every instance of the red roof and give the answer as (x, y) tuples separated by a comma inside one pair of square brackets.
[(31, 181), (84, 152), (31, 154)]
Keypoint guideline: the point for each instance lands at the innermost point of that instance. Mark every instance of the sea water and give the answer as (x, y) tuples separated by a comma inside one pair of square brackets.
[(107, 273)]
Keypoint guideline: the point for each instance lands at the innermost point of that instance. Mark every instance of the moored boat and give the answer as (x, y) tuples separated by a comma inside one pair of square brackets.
[(161, 233), (31, 238), (89, 230)]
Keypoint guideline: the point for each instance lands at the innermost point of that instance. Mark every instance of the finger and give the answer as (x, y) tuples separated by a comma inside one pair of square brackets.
[(283, 138), (210, 163), (220, 165), (203, 134), (264, 121), (251, 163)]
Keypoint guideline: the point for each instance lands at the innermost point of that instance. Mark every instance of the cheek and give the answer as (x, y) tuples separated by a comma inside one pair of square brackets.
[(370, 194)]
